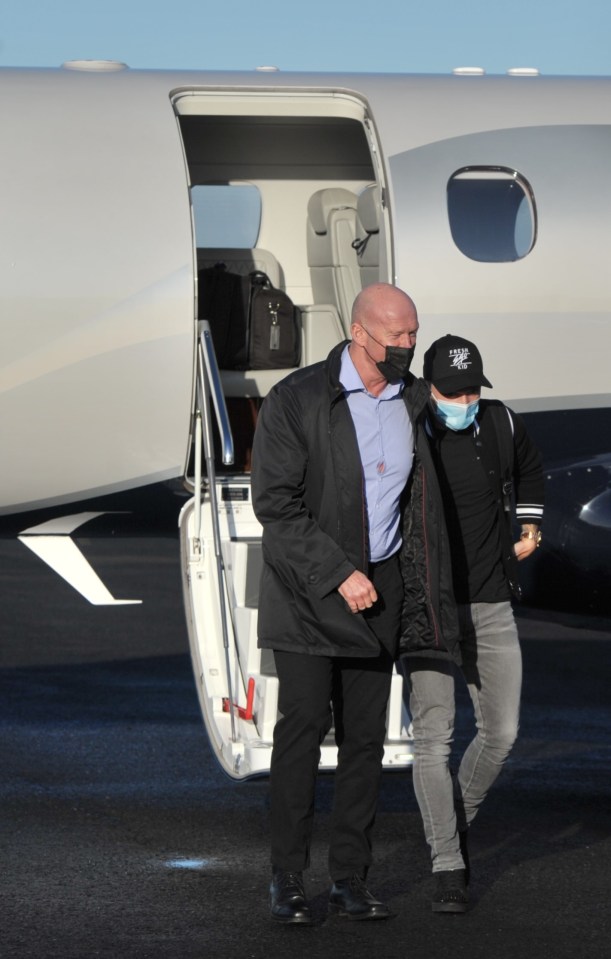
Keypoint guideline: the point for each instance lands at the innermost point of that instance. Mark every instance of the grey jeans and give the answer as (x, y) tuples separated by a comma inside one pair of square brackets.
[(492, 667)]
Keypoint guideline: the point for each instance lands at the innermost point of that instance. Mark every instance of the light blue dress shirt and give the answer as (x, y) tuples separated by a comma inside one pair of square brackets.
[(386, 444)]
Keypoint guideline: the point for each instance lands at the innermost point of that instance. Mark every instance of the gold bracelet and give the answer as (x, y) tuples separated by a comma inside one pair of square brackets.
[(532, 534)]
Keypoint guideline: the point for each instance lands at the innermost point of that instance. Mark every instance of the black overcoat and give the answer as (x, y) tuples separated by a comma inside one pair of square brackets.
[(308, 494)]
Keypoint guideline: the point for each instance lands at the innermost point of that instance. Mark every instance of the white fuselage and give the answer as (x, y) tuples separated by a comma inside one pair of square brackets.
[(98, 257)]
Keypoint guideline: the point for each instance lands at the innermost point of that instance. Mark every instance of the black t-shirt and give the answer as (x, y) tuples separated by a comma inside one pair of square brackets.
[(472, 518)]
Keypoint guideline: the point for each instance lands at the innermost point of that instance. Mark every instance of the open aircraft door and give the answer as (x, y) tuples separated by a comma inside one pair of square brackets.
[(220, 543), (221, 557), (289, 146)]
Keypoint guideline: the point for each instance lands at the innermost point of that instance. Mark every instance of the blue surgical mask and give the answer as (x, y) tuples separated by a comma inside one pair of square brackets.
[(455, 416)]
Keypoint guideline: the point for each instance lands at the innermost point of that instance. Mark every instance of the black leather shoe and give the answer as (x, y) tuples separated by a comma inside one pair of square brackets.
[(288, 898), (451, 891), (350, 899)]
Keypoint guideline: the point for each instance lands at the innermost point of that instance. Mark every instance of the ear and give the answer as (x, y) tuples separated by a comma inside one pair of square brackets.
[(357, 333)]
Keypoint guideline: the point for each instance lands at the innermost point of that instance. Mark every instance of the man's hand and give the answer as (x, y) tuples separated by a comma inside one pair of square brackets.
[(358, 592), (528, 541), (524, 548)]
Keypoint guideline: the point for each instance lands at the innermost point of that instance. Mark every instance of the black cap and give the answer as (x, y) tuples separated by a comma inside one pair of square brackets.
[(453, 363)]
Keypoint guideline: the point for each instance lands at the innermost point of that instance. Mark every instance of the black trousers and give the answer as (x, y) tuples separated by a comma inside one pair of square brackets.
[(314, 692)]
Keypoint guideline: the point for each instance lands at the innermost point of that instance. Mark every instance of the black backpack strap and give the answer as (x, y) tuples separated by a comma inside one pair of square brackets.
[(503, 434)]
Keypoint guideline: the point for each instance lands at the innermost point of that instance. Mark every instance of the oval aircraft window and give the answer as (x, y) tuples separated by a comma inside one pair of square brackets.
[(492, 214), (226, 215)]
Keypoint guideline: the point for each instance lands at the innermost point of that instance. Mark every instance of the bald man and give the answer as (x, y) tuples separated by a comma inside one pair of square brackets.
[(332, 454)]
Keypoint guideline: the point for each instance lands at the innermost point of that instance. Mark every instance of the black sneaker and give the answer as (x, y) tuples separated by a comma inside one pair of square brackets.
[(288, 903), (450, 891)]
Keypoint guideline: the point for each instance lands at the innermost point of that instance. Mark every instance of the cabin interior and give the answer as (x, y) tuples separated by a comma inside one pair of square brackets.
[(293, 189)]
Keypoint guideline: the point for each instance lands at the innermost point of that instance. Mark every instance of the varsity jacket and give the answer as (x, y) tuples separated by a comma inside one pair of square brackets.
[(513, 466)]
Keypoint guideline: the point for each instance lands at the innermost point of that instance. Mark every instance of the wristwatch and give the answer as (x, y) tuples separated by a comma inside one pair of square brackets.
[(532, 534)]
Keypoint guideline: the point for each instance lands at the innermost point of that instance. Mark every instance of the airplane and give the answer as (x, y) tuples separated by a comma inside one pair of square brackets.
[(487, 198)]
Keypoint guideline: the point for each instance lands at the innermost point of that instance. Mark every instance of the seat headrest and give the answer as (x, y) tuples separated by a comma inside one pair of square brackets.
[(322, 202), (368, 208)]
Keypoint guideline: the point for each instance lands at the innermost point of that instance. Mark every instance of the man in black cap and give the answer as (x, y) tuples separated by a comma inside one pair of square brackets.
[(482, 453)]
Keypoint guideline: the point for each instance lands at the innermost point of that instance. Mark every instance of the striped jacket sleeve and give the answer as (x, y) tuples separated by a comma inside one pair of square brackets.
[(528, 475)]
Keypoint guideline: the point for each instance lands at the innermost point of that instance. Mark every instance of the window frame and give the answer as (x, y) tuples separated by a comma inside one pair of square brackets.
[(491, 172), (237, 217)]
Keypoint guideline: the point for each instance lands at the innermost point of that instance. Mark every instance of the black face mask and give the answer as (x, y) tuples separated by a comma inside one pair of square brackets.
[(395, 366)]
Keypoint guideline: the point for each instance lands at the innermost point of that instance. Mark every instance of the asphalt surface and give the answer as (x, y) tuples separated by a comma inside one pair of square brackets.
[(120, 836)]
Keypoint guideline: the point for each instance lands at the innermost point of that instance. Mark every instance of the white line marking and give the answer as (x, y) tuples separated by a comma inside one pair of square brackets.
[(51, 542)]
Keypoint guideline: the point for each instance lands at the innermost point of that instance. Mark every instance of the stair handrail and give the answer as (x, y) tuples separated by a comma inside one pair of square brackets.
[(209, 386)]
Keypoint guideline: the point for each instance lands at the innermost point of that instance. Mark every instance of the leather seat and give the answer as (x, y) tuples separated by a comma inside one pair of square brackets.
[(332, 259), (368, 227)]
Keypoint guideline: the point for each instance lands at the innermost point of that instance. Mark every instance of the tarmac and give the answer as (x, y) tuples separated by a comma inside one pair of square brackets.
[(121, 837)]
